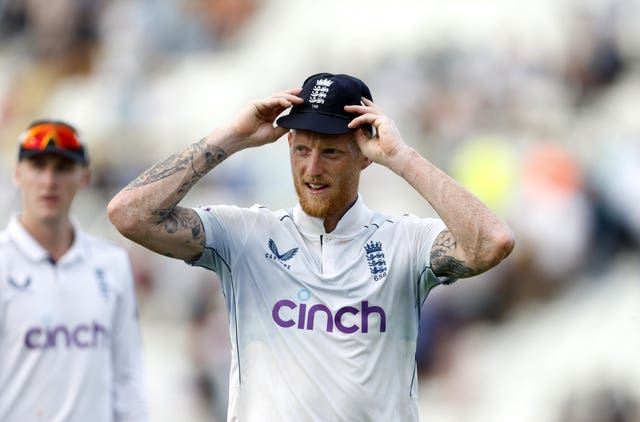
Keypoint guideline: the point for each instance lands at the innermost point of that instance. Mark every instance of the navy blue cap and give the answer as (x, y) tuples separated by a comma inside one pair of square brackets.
[(325, 95)]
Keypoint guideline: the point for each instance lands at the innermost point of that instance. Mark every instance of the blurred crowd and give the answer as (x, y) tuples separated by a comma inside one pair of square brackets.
[(533, 106)]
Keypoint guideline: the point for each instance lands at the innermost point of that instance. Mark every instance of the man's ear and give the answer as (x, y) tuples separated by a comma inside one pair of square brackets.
[(290, 136)]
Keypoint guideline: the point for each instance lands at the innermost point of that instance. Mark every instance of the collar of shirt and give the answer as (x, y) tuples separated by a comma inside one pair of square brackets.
[(351, 222), (35, 252)]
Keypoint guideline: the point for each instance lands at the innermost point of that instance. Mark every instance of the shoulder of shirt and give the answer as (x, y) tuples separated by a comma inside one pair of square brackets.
[(4, 236), (231, 206), (257, 209), (380, 219), (5, 241)]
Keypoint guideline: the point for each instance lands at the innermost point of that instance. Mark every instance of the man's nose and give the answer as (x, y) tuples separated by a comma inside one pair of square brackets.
[(315, 163), (49, 175)]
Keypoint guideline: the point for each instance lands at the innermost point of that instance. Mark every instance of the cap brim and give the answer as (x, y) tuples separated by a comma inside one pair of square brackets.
[(72, 155), (316, 122)]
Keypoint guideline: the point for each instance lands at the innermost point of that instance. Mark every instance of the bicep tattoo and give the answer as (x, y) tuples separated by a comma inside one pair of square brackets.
[(181, 220), (442, 263)]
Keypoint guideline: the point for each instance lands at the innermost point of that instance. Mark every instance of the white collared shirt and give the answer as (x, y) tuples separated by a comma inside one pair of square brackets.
[(323, 325), (69, 338)]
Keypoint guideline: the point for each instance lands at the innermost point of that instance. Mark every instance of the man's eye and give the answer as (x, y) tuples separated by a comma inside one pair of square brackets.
[(65, 167)]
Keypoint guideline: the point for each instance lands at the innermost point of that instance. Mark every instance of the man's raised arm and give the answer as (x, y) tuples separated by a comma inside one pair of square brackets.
[(147, 212), (476, 239)]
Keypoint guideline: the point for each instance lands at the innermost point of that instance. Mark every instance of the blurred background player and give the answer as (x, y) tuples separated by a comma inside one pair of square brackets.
[(70, 346)]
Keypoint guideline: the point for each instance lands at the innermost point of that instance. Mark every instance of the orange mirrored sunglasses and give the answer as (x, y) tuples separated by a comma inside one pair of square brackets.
[(40, 136)]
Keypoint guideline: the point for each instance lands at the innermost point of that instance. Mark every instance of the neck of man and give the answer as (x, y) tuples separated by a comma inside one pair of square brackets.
[(55, 236), (331, 221)]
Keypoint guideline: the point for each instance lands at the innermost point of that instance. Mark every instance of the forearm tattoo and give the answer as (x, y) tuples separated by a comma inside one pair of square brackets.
[(189, 167), (179, 162), (445, 265)]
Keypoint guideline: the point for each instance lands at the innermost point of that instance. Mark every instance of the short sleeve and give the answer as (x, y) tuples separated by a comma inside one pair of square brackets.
[(226, 229)]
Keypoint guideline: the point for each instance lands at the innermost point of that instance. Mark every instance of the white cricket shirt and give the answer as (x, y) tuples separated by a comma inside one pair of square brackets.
[(69, 340), (323, 326)]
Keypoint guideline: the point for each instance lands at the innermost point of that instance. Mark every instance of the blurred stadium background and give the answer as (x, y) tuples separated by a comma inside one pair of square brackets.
[(534, 105)]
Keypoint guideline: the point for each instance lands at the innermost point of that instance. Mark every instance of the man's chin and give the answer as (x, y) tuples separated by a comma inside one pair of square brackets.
[(313, 211), (317, 209), (318, 205)]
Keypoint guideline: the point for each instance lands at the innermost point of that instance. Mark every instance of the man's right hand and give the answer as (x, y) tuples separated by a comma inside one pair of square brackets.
[(253, 125)]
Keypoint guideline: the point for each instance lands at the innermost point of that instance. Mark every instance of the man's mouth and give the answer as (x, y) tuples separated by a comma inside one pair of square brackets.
[(49, 201), (316, 186)]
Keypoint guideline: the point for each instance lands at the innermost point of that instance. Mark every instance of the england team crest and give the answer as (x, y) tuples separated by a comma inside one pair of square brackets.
[(376, 260), (319, 92)]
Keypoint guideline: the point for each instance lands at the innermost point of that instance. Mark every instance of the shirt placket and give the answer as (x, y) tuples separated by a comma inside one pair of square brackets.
[(328, 254)]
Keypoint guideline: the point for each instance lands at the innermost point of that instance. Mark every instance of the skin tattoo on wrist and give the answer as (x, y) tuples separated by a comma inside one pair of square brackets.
[(442, 263)]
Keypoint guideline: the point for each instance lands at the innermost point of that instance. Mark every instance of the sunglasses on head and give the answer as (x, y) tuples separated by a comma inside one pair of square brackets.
[(38, 137)]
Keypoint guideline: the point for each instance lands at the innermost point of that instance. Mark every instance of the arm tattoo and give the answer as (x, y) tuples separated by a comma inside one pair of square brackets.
[(179, 162), (179, 219), (445, 265)]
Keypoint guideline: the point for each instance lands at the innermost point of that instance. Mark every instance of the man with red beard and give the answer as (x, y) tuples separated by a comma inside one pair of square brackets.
[(323, 298)]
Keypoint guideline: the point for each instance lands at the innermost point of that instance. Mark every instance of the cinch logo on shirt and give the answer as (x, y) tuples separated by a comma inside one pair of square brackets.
[(82, 336), (305, 317)]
